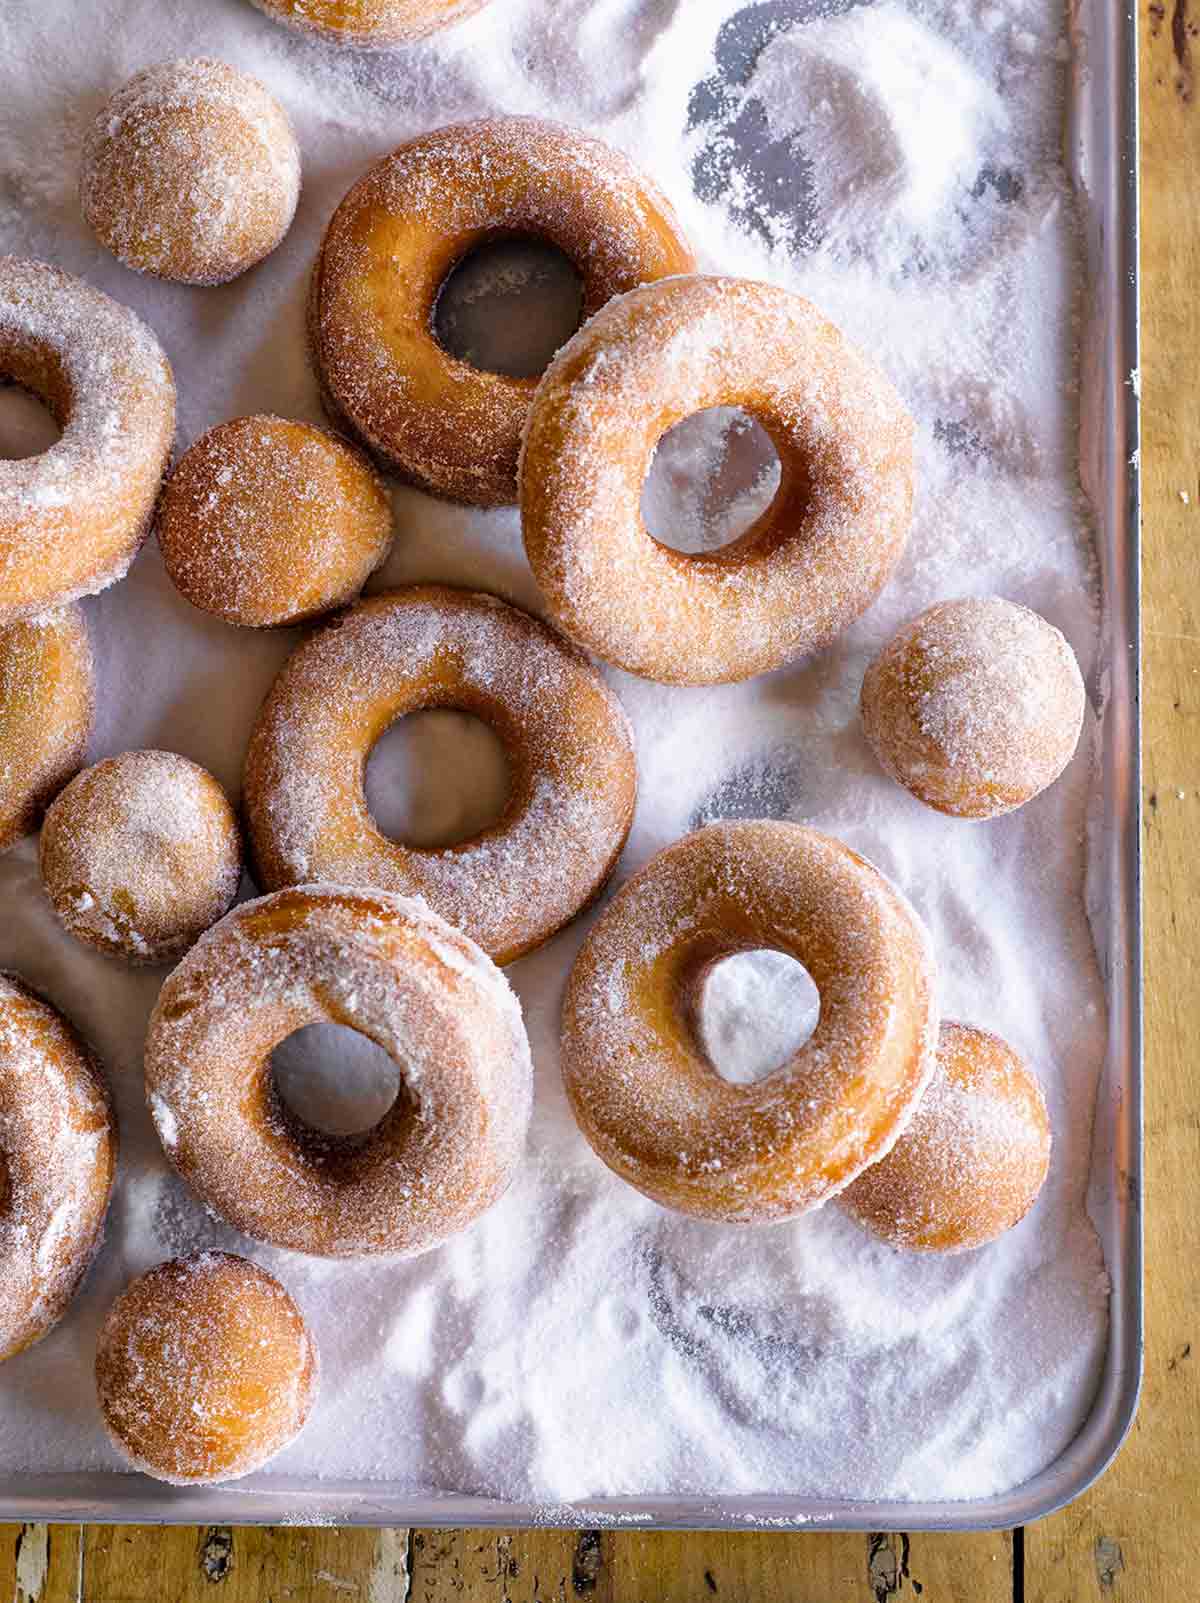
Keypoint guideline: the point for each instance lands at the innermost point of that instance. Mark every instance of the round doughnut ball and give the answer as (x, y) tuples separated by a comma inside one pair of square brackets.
[(58, 1157), (370, 22), (204, 1369), (140, 854), (267, 521), (975, 707), (47, 702), (191, 172), (973, 1159)]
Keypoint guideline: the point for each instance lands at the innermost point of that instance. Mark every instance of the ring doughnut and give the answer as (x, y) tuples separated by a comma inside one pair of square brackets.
[(394, 971), (975, 706), (370, 22), (47, 705), (139, 854), (803, 571), (973, 1159), (647, 1099), (72, 519), (191, 172), (58, 1158), (204, 1369), (394, 240), (265, 521), (570, 748)]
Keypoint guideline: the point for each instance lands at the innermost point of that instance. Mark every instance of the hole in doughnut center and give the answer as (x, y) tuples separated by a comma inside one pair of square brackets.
[(710, 478), (26, 426), (437, 778), (755, 1010), (335, 1080), (508, 306)]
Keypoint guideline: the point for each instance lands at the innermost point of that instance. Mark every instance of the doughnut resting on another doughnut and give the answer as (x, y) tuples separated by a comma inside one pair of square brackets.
[(975, 706), (646, 1097), (973, 1159), (368, 23), (205, 1369)]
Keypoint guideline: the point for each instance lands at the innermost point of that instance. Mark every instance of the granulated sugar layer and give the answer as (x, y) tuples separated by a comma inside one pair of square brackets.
[(898, 164)]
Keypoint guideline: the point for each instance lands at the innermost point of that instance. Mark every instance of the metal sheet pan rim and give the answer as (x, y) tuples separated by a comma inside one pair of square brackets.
[(1102, 152)]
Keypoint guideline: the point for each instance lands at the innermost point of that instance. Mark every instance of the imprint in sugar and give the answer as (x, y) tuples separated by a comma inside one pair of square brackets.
[(800, 1359)]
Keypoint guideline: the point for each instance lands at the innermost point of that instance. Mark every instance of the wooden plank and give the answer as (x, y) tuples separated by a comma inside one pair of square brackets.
[(39, 1563), (706, 1567), (1135, 1536), (247, 1564)]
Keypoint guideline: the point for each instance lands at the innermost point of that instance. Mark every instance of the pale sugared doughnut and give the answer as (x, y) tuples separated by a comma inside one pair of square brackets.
[(395, 239), (370, 22), (972, 1161), (391, 969), (190, 172), (975, 706), (803, 571), (645, 1095), (58, 1156), (140, 854), (205, 1369), (569, 744), (72, 519), (47, 704), (268, 521)]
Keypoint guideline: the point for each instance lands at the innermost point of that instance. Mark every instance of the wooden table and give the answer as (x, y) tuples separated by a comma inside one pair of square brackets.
[(1136, 1535)]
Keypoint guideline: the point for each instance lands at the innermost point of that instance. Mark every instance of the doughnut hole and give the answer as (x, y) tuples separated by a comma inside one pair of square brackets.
[(752, 1011), (335, 1081), (712, 476), (970, 1164), (204, 1369), (508, 306), (27, 425), (437, 778)]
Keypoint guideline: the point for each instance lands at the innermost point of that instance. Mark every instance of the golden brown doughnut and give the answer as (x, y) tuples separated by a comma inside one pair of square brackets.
[(58, 1157), (72, 519), (975, 706), (205, 1369), (574, 773), (47, 706), (395, 239), (370, 22), (269, 521), (190, 172), (140, 854), (647, 1098), (803, 571), (972, 1161), (393, 970)]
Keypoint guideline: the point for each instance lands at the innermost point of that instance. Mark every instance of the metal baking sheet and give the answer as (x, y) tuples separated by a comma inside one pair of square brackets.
[(1101, 153)]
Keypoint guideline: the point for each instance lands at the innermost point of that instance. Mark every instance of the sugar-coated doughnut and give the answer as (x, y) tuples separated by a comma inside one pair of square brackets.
[(205, 1369), (367, 23), (58, 1157), (570, 749), (47, 706), (972, 1161), (393, 970), (190, 172), (140, 854), (645, 1095), (396, 237), (268, 521), (803, 571), (72, 519), (975, 706)]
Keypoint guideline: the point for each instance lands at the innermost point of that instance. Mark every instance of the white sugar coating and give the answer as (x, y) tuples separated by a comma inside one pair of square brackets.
[(801, 1359), (190, 171)]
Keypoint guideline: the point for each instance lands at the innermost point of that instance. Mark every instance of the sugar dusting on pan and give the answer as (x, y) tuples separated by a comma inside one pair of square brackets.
[(899, 163)]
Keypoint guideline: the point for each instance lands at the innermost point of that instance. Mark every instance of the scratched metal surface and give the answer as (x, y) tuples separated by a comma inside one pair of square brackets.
[(1101, 150)]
